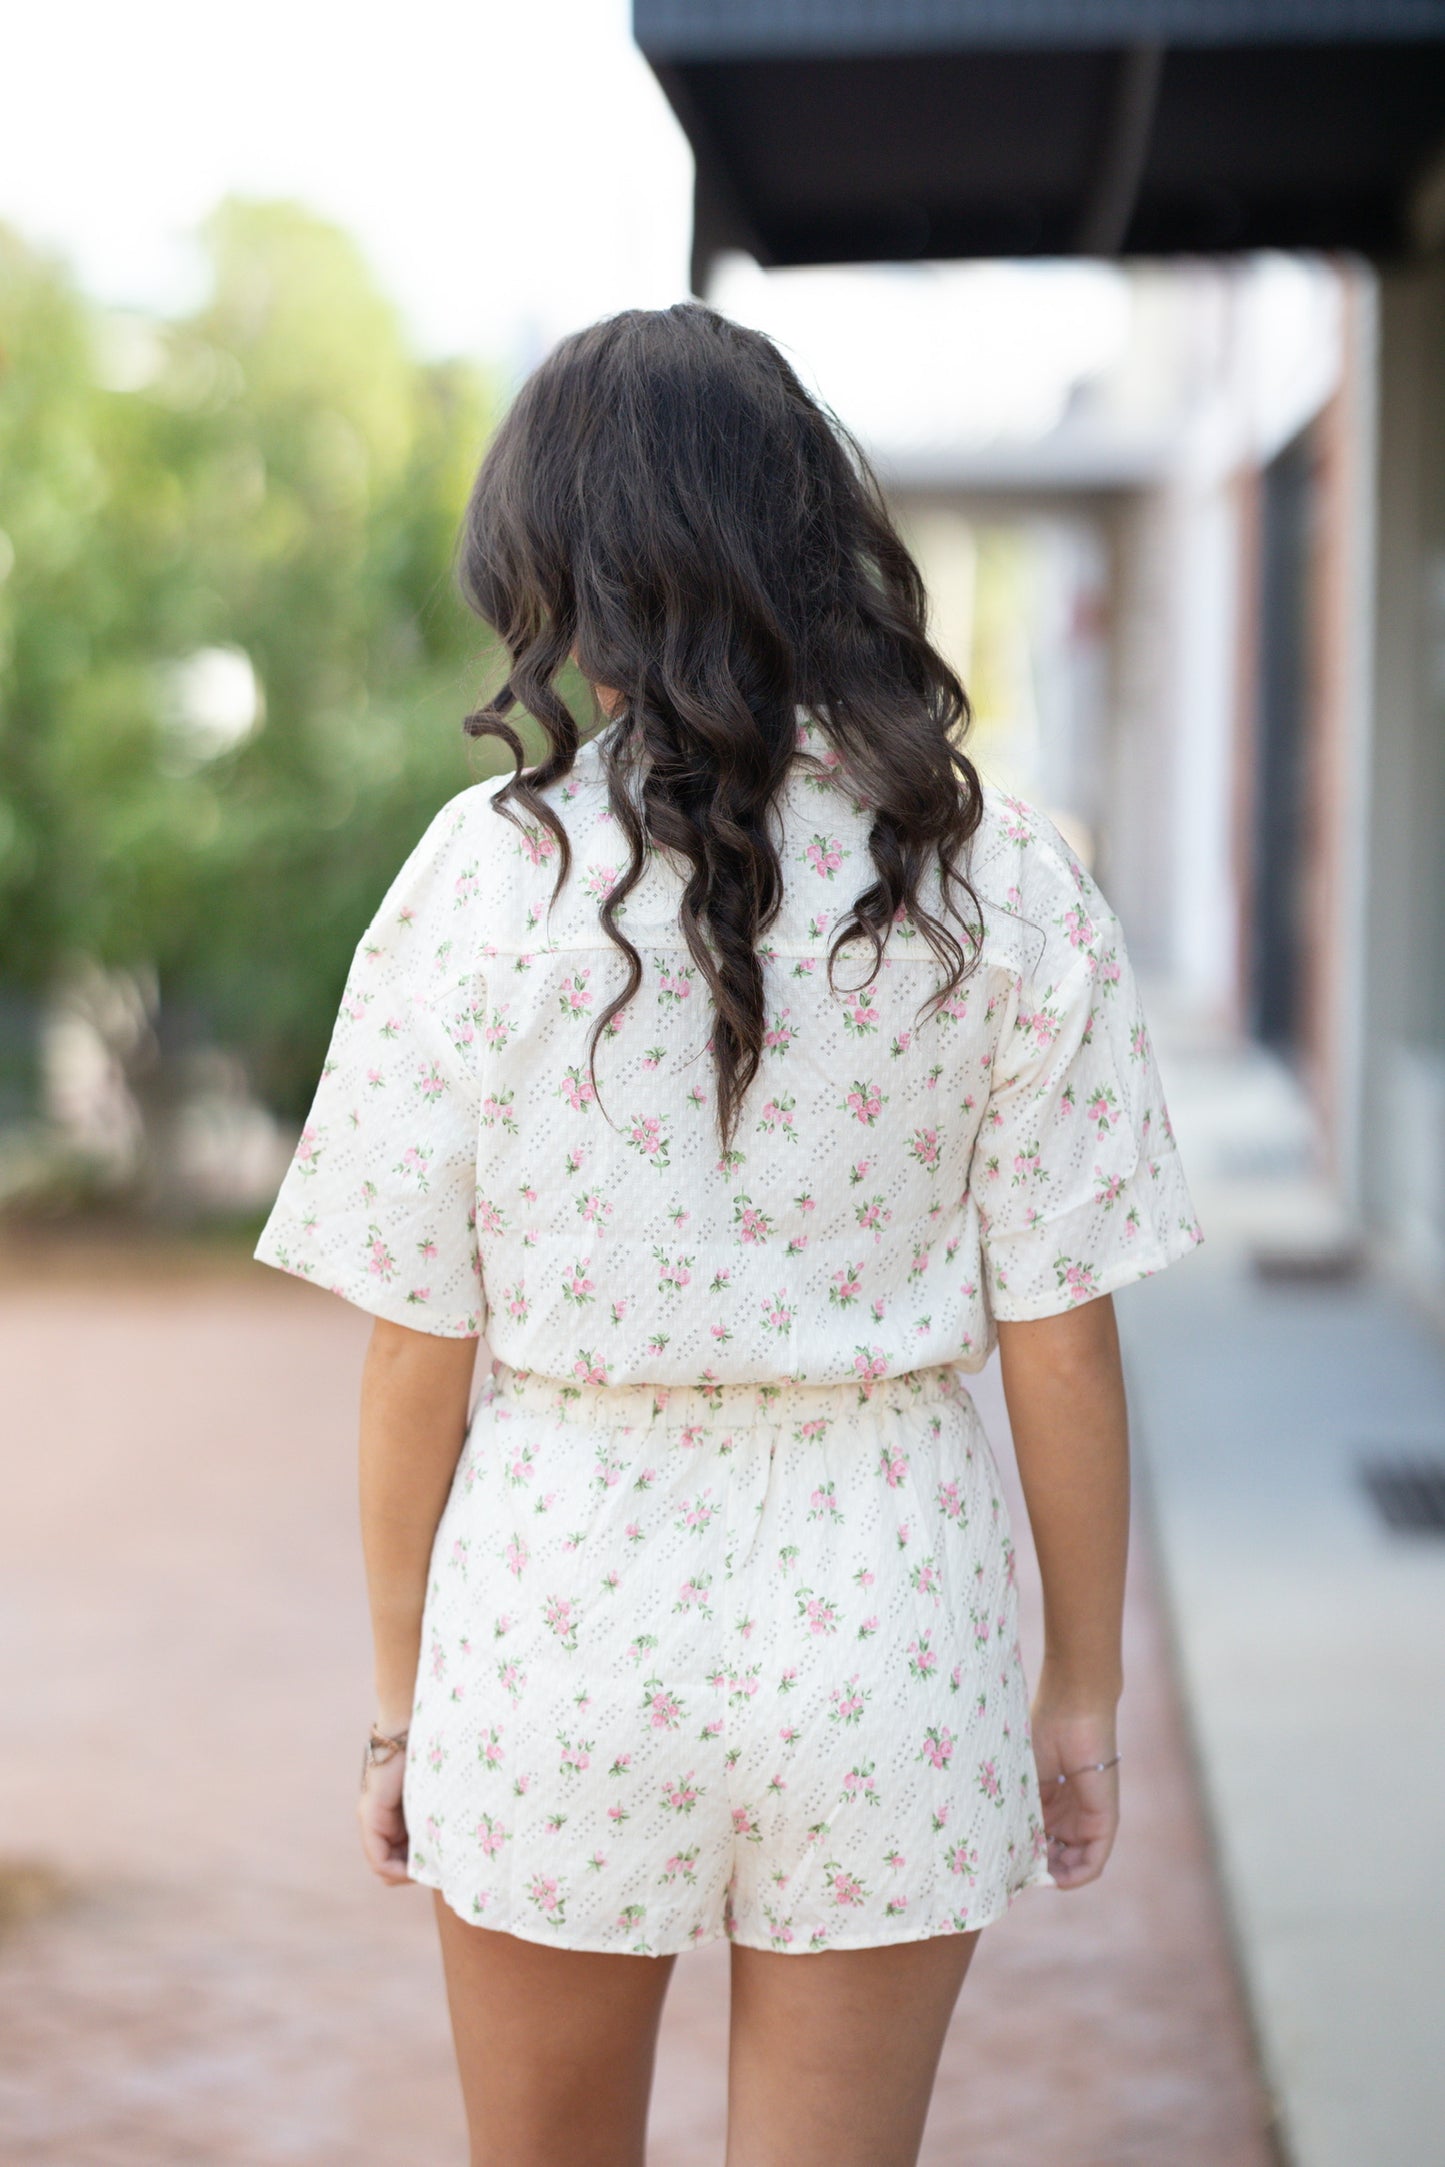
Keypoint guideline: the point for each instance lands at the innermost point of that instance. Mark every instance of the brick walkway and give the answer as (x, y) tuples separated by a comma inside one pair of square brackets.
[(194, 1968)]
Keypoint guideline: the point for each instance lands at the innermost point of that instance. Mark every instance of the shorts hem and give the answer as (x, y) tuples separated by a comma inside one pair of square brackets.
[(522, 1930)]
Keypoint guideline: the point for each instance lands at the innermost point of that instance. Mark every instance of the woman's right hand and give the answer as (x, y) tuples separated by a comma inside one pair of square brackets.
[(1081, 1816), (383, 1822)]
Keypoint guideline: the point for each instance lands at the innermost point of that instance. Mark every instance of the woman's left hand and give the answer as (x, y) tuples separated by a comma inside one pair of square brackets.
[(383, 1823)]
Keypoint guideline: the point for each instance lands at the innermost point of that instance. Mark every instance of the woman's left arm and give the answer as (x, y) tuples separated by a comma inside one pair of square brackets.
[(415, 1391)]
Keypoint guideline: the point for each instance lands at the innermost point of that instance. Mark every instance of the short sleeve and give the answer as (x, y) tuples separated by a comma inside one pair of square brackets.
[(1075, 1172), (379, 1202)]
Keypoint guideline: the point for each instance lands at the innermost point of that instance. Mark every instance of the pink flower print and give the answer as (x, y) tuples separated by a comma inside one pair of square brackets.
[(308, 1150), (988, 1782), (575, 998), (682, 1795), (923, 1146), (576, 1286), (575, 1759), (490, 1750), (520, 1468), (865, 1102), (859, 1784), (693, 1594), (951, 1505), (380, 1262), (1103, 1109), (937, 1747), (413, 1165), (860, 1016), (1110, 1189), (664, 1711), (847, 1702), (513, 1680), (559, 1617), (842, 1886), (430, 1081), (777, 1314), (869, 1364), (644, 1134), (490, 1835), (514, 1301), (1078, 926), (491, 1219), (675, 986), (698, 1515), (825, 854), (955, 1008), (904, 1534), (681, 1862), (753, 1225), (545, 1891), (777, 1119), (1027, 1163), (1107, 970), (745, 1823), (893, 1466), (536, 844), (872, 1217), (922, 1657), (821, 1616), (1078, 1278), (847, 1285), (926, 1579), (823, 1504), (780, 1034), (961, 1858), (419, 1296), (588, 1369), (673, 1273), (600, 880), (577, 1089), (868, 1627), (1040, 1024), (375, 1079)]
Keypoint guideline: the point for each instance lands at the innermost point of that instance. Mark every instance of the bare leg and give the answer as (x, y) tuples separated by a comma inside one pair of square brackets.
[(555, 2047), (833, 2055)]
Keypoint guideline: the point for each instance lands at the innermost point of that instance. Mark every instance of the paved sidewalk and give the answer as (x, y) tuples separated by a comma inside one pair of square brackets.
[(1311, 1638), (193, 1967)]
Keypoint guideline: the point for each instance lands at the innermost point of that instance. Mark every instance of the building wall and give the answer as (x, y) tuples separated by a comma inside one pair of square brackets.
[(1403, 1109)]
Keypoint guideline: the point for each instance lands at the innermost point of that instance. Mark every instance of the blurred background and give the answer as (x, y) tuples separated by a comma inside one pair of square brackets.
[(1139, 308)]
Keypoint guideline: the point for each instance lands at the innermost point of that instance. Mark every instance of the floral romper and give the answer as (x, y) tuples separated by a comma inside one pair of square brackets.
[(720, 1632)]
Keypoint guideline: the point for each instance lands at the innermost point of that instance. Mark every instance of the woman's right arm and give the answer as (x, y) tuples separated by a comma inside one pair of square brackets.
[(1063, 1381)]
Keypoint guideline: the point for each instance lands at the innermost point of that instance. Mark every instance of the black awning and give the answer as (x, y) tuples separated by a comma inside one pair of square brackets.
[(844, 131)]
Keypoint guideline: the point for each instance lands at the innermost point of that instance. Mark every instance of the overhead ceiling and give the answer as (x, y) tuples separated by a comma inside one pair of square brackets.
[(840, 131)]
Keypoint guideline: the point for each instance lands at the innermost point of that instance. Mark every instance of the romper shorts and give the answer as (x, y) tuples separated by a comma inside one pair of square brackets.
[(740, 1661)]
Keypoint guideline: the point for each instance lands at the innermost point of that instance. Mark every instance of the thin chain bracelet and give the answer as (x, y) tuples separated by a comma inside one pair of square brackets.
[(380, 1749), (1094, 1768)]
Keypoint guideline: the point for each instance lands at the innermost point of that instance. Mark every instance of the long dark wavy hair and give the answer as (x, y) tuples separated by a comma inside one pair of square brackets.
[(666, 505)]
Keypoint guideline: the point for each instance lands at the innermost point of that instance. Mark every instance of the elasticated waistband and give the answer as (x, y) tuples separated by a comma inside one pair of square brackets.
[(633, 1406)]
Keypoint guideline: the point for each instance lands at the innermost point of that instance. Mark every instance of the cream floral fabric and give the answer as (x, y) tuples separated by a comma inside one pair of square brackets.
[(741, 1662), (897, 1182)]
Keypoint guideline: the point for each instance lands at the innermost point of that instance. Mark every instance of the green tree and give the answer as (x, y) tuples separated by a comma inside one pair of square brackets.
[(275, 479)]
